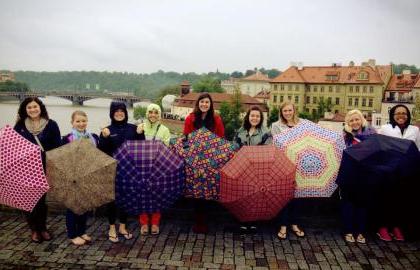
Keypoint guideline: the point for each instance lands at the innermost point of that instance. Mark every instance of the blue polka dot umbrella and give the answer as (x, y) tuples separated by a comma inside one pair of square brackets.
[(150, 177), (317, 153)]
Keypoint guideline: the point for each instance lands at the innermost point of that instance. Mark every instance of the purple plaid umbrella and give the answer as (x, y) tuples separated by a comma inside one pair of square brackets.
[(149, 178)]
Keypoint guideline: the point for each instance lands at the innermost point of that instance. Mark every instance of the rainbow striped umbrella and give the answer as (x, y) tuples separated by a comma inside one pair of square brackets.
[(317, 153)]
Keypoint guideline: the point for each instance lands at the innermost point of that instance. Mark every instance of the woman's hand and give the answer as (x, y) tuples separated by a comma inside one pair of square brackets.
[(105, 132), (140, 128)]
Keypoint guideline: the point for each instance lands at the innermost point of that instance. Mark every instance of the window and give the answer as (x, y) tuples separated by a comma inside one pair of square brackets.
[(275, 87), (337, 101), (281, 99), (378, 121), (337, 89), (322, 89), (350, 101), (275, 98), (364, 89), (356, 102), (329, 100), (336, 111), (357, 89), (315, 88), (289, 98), (297, 87), (371, 102), (321, 99), (364, 102), (296, 99), (314, 100), (330, 89), (363, 75), (351, 88), (289, 87), (308, 100), (313, 111), (371, 89), (281, 86)]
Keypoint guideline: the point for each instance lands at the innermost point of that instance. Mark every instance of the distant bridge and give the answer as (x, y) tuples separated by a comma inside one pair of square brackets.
[(77, 98)]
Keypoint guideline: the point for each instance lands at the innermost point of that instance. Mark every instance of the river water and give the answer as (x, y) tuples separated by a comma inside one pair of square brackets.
[(60, 110)]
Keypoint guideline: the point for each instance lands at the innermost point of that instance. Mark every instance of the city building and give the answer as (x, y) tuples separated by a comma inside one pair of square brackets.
[(7, 76), (250, 85)]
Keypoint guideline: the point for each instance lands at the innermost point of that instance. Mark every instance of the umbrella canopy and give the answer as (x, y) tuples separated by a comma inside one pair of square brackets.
[(22, 178), (150, 177), (317, 153), (257, 183), (378, 164), (81, 176), (204, 153)]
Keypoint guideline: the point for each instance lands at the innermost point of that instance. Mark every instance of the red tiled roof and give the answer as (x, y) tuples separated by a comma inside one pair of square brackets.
[(417, 85), (246, 100), (258, 76), (185, 82), (263, 94), (324, 74), (403, 82), (384, 71)]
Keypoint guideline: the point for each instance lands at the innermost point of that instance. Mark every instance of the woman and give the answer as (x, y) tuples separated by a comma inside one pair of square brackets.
[(354, 216), (288, 118), (399, 127), (203, 115), (153, 129), (34, 124), (252, 132), (112, 137), (76, 224)]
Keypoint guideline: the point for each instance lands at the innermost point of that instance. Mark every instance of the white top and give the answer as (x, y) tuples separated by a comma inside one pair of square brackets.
[(410, 133)]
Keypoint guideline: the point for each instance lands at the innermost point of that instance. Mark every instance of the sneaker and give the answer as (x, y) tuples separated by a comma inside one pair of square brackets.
[(384, 235), (397, 234)]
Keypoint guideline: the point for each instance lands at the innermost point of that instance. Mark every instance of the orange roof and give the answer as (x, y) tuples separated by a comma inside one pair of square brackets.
[(258, 76), (417, 85), (329, 74), (185, 82), (263, 94), (247, 101), (403, 82), (384, 71)]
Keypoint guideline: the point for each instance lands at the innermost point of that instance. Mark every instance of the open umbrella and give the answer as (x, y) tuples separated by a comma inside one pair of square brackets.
[(22, 178), (317, 152), (379, 164), (204, 153), (257, 183), (81, 176), (150, 177)]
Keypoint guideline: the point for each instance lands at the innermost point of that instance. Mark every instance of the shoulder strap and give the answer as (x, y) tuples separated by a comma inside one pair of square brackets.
[(157, 129), (39, 143)]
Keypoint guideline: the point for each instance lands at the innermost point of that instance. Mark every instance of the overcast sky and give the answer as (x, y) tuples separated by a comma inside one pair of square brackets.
[(204, 35)]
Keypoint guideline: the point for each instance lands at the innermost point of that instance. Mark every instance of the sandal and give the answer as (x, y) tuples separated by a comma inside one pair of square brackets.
[(298, 232), (349, 238), (282, 235), (86, 237), (78, 241), (361, 239), (127, 235), (144, 229), (113, 238)]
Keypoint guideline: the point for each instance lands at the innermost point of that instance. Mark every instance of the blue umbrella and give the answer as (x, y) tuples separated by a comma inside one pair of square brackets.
[(149, 178)]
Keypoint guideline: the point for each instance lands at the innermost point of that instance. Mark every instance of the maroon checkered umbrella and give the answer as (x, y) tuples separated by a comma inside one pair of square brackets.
[(257, 183)]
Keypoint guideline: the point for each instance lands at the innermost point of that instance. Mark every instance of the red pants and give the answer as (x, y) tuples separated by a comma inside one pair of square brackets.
[(144, 219)]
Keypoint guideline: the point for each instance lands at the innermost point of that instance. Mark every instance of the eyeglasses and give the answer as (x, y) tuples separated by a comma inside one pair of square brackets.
[(401, 113)]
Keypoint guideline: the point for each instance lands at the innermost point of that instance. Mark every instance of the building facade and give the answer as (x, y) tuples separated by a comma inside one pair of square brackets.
[(7, 76), (251, 85)]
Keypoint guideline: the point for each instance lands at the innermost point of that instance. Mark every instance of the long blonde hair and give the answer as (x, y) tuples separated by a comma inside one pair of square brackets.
[(347, 127), (295, 112)]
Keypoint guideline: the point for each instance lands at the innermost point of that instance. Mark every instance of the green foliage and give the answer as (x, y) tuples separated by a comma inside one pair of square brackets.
[(305, 115), (273, 116), (400, 67), (230, 113), (139, 112), (167, 90), (416, 110), (10, 86), (236, 74), (208, 84)]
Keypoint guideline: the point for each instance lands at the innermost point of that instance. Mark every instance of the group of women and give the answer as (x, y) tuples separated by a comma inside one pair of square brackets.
[(35, 125)]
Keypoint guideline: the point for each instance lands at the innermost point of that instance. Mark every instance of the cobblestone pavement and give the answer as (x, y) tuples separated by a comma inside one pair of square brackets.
[(178, 248)]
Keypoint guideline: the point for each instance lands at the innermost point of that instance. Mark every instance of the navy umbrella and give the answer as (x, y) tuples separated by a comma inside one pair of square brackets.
[(149, 178), (377, 166)]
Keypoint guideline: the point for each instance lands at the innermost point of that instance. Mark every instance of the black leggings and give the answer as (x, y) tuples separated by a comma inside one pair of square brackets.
[(37, 219), (112, 211)]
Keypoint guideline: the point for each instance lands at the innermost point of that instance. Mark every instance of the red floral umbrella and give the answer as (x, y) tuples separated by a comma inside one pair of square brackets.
[(204, 154), (22, 178), (257, 183)]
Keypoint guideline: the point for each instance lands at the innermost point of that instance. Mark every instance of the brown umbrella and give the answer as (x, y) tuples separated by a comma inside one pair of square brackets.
[(81, 176)]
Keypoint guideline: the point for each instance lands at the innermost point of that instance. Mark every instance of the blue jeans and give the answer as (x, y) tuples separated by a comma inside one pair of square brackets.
[(353, 217), (76, 224)]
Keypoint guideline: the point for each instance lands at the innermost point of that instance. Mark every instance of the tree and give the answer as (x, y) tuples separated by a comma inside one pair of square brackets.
[(208, 84), (400, 67), (10, 86), (305, 115), (168, 90), (323, 107), (230, 113), (237, 74), (139, 112), (272, 73), (249, 72), (273, 116), (416, 110)]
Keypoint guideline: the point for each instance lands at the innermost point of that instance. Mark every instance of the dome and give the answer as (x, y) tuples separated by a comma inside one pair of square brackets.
[(167, 102)]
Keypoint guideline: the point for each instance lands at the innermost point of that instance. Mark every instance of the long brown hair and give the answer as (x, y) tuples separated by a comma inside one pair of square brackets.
[(208, 121)]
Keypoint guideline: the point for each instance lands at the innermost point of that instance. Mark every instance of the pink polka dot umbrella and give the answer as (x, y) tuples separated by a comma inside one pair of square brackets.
[(22, 178)]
